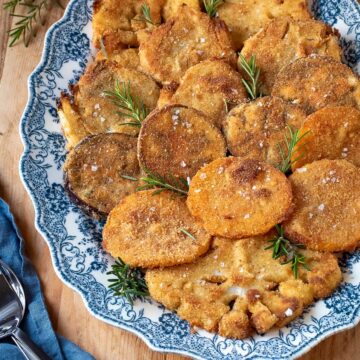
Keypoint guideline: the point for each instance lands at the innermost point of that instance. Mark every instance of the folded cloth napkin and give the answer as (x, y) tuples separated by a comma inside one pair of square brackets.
[(36, 322)]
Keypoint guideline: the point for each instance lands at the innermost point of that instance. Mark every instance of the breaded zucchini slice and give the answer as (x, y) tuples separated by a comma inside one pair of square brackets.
[(237, 288), (98, 112), (327, 207), (284, 40), (182, 42), (118, 23), (94, 171), (178, 141), (212, 87), (315, 82), (245, 18), (236, 197), (330, 133), (256, 129), (71, 122), (148, 230), (128, 57)]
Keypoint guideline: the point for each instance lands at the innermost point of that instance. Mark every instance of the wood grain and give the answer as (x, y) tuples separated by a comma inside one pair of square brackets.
[(67, 311)]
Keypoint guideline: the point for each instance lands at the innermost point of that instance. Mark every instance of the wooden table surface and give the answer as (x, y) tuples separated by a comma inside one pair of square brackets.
[(67, 311)]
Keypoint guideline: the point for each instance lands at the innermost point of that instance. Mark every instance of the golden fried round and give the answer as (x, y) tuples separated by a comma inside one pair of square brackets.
[(172, 7), (329, 133), (147, 230), (236, 197), (128, 58), (315, 82), (327, 207), (256, 129), (245, 18), (177, 140), (182, 42), (238, 288), (118, 23), (97, 110), (90, 179), (211, 86), (284, 40)]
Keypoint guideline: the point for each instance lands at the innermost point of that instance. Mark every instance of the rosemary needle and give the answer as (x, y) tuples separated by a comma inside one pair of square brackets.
[(191, 236), (146, 14), (211, 7)]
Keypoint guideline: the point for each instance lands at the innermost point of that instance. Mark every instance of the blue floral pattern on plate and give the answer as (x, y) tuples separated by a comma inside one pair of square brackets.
[(75, 240)]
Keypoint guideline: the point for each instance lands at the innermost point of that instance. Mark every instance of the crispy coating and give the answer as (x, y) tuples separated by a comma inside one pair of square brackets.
[(245, 18), (255, 129), (166, 93), (237, 287), (284, 40), (89, 177), (118, 23), (171, 7), (128, 58), (97, 111), (327, 206), (236, 197), (71, 123), (331, 133), (145, 230), (182, 42), (211, 86), (315, 82), (178, 140)]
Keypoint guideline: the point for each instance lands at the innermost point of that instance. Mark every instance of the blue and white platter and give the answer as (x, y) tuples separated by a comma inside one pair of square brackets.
[(75, 239)]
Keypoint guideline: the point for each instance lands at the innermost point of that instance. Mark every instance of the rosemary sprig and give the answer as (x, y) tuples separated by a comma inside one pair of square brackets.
[(287, 155), (282, 247), (253, 72), (11, 5), (146, 14), (211, 6), (191, 236), (128, 282), (122, 98), (159, 183)]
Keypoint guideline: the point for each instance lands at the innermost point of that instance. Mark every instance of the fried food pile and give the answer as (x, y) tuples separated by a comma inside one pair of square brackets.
[(222, 147)]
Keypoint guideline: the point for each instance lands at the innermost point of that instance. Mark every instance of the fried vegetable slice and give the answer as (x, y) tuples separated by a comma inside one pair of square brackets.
[(327, 207), (94, 171), (257, 129), (172, 7), (236, 197), (212, 87), (149, 231), (182, 42), (178, 141), (128, 57), (245, 18), (315, 82), (237, 288), (332, 133), (97, 110), (284, 40)]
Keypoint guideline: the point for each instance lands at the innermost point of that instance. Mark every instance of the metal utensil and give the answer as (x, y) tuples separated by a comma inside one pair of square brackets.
[(12, 309)]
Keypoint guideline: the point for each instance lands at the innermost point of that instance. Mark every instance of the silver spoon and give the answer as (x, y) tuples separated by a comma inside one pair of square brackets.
[(12, 309)]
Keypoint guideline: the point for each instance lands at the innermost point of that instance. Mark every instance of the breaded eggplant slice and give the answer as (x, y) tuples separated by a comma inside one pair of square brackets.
[(178, 141), (315, 82), (327, 207), (71, 122), (182, 42), (245, 18), (94, 171), (148, 230), (236, 198), (212, 87), (284, 40), (128, 58), (256, 129), (330, 133), (172, 7), (118, 23), (97, 110), (237, 288), (166, 93)]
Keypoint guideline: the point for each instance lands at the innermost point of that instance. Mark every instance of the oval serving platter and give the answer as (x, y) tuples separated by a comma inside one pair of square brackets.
[(75, 239)]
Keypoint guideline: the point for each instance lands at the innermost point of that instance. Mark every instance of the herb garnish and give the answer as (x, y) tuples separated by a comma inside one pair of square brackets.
[(122, 98), (211, 6), (191, 236), (283, 247), (103, 49), (253, 72), (146, 14), (128, 282)]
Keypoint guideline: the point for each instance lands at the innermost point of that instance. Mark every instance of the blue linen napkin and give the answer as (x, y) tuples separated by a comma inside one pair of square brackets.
[(36, 322)]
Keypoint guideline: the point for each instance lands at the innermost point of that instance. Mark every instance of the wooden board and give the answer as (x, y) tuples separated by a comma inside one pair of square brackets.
[(67, 311)]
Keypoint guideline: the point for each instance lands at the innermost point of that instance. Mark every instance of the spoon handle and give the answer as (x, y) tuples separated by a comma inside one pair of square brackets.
[(27, 347)]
